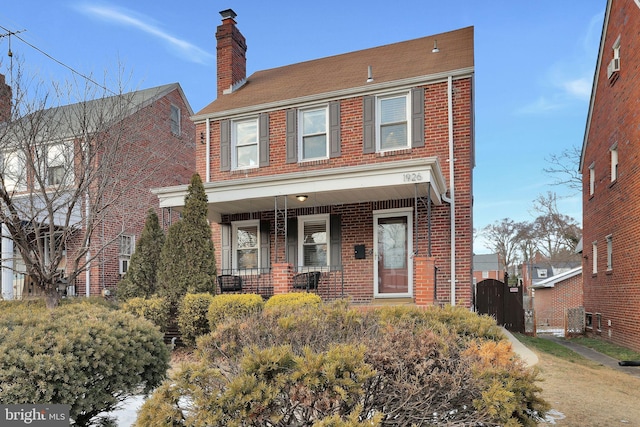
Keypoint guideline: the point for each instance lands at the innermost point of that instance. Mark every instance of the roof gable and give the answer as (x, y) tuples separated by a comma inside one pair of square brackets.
[(394, 62)]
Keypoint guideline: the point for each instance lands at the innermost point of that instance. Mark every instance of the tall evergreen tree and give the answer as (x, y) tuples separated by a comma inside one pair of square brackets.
[(187, 261), (142, 276)]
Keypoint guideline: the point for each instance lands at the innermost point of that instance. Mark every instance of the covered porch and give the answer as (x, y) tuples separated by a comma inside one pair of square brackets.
[(323, 231)]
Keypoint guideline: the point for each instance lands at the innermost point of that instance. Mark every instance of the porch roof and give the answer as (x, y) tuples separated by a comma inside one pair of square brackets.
[(351, 184)]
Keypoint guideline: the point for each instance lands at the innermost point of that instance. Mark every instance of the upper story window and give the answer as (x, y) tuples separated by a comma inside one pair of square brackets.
[(313, 238), (127, 246), (246, 245), (244, 137), (175, 119), (594, 257), (592, 179), (393, 130), (14, 171), (614, 66), (610, 252), (614, 163), (313, 125), (59, 166)]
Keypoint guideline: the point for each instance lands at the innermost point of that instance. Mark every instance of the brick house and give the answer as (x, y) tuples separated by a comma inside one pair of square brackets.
[(158, 138), (335, 174), (487, 266), (553, 296), (610, 166)]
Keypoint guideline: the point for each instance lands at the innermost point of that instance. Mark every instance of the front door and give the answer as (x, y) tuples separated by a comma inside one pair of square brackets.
[(392, 262)]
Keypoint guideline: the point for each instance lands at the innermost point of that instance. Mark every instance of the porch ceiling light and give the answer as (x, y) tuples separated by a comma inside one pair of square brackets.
[(302, 197)]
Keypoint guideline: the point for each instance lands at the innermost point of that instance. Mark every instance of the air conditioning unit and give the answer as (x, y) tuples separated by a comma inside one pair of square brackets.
[(614, 66)]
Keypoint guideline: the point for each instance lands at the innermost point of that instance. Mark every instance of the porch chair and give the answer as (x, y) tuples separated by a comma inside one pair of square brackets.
[(230, 283), (308, 280)]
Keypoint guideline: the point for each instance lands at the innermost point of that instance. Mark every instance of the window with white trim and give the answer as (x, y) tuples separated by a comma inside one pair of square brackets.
[(313, 136), (246, 244), (244, 137), (599, 321), (592, 179), (613, 67), (313, 238), (175, 120), (59, 166), (127, 246), (392, 122), (609, 252), (614, 162), (14, 171), (594, 257)]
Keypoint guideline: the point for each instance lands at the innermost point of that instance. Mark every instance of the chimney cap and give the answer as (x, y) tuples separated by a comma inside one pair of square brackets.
[(228, 13)]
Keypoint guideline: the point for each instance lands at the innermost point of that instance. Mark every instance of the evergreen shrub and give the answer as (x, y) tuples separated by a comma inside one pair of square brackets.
[(233, 307), (192, 316), (154, 309)]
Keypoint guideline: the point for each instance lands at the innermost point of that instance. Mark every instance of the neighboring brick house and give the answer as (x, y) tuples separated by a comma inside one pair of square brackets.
[(487, 266), (155, 128), (552, 297), (610, 167), (341, 167)]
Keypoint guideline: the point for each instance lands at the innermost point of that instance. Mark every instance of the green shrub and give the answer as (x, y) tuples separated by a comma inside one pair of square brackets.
[(292, 301), (192, 316), (233, 306), (83, 355), (155, 309)]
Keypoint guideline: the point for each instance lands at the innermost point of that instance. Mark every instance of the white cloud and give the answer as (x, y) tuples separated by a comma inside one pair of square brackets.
[(579, 88), (146, 25)]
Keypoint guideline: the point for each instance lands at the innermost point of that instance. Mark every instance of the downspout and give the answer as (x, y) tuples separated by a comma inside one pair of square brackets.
[(208, 152), (87, 272), (451, 199)]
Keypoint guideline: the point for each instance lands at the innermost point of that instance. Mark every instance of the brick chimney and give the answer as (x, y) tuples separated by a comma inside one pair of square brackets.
[(5, 100), (232, 49)]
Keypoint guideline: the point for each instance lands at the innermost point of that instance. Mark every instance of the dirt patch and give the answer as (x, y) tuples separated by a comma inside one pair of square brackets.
[(591, 395)]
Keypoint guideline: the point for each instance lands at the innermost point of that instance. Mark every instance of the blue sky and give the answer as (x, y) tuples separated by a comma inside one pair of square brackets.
[(534, 64)]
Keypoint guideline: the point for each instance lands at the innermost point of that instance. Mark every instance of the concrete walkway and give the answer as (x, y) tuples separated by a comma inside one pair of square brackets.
[(528, 356)]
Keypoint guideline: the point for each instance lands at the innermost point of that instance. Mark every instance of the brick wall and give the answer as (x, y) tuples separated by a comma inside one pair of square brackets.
[(614, 208), (550, 304), (357, 218)]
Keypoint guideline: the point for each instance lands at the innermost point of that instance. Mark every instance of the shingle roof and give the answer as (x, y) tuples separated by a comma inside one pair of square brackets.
[(393, 62)]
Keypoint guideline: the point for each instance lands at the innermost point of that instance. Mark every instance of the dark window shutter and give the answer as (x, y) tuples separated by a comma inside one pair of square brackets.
[(292, 136), (263, 141), (335, 236), (417, 117), (225, 145), (292, 241), (334, 129), (369, 124), (265, 258), (225, 229)]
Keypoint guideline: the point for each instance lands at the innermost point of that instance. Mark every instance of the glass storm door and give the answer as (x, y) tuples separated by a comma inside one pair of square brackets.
[(392, 264)]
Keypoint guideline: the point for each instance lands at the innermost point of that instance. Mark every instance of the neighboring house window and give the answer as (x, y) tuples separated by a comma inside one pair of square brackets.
[(246, 245), (610, 252), (542, 273), (592, 179), (599, 321), (614, 163), (127, 246), (175, 120), (594, 257), (588, 320), (59, 164), (245, 143), (393, 131), (13, 171), (614, 66), (313, 236), (313, 125), (485, 274)]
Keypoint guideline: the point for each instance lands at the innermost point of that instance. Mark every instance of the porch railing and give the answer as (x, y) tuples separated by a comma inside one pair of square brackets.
[(246, 281)]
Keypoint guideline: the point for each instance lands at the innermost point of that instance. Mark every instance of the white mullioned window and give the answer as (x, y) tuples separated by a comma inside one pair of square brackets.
[(246, 244), (127, 246), (59, 166), (244, 135), (313, 238), (313, 136), (393, 130)]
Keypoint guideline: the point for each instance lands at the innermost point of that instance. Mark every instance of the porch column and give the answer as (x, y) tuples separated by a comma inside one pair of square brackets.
[(282, 276), (424, 280), (7, 264)]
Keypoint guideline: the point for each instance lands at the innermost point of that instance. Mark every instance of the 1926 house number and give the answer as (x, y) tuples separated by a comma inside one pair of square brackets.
[(412, 177)]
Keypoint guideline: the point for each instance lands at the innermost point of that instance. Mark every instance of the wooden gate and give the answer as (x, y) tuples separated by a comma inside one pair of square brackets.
[(501, 301)]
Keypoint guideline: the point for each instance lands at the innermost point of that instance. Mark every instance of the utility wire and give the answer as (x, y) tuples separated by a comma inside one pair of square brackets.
[(13, 33)]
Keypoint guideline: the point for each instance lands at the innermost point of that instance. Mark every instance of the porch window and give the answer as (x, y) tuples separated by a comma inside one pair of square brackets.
[(313, 133), (313, 235), (246, 245), (127, 246), (393, 129), (245, 143)]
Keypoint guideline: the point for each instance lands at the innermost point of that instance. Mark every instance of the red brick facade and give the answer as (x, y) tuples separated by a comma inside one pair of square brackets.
[(612, 209), (551, 303)]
